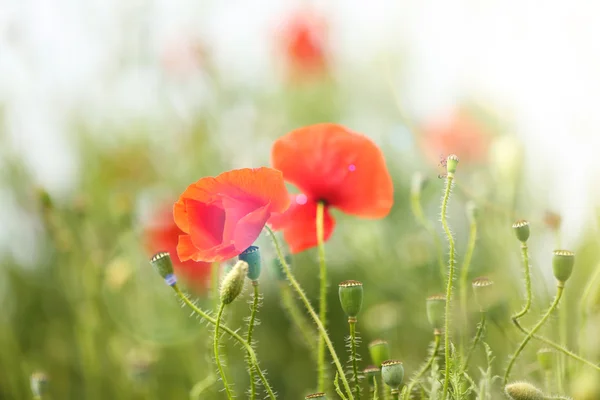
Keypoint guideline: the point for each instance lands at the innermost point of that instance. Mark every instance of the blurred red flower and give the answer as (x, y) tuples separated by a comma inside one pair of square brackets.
[(221, 217), (458, 133), (332, 164), (303, 44), (162, 235)]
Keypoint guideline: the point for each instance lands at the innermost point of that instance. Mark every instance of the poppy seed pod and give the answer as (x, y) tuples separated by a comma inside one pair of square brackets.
[(436, 311), (371, 372), (451, 164), (351, 297), (319, 396), (39, 384), (252, 256), (523, 391), (546, 358), (562, 264), (379, 351), (521, 228), (483, 291), (233, 283), (392, 373), (163, 264)]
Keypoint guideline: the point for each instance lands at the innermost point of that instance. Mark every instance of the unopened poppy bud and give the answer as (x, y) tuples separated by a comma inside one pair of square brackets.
[(521, 228), (252, 256), (392, 373), (351, 297), (163, 264), (436, 311), (562, 264), (523, 391), (315, 396), (371, 372), (546, 358), (379, 351), (39, 384), (483, 291), (233, 283), (451, 164), (472, 211)]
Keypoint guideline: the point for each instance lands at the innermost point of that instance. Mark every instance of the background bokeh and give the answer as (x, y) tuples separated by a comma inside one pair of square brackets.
[(109, 109)]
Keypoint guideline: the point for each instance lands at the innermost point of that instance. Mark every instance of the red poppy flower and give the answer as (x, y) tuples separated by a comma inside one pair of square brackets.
[(333, 165), (223, 216), (162, 235)]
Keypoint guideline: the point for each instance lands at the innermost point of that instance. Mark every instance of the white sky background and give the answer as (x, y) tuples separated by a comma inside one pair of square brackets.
[(539, 62)]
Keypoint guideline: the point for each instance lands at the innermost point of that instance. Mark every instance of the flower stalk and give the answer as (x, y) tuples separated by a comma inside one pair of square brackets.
[(322, 295)]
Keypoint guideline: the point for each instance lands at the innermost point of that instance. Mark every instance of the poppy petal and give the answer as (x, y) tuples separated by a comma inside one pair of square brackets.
[(185, 248), (206, 224), (331, 163), (249, 227), (299, 225), (204, 190)]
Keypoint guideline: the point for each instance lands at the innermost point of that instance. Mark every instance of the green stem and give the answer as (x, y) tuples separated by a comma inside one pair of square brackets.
[(322, 296), (541, 322), (311, 312), (289, 304), (436, 346), (336, 384), (478, 336), (527, 269), (548, 380), (352, 323), (464, 274), (417, 210), (374, 389), (201, 386), (234, 335), (449, 286), (253, 312), (216, 351)]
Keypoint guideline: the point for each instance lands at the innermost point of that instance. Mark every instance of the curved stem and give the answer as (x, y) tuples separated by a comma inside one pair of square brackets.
[(352, 323), (417, 210), (234, 335), (311, 312), (336, 384), (464, 274), (253, 312), (541, 322), (289, 304), (449, 285), (478, 336), (374, 389), (525, 254), (216, 350), (322, 295), (425, 368)]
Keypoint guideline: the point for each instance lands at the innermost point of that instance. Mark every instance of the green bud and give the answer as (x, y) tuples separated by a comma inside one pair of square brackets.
[(371, 372), (483, 291), (436, 312), (379, 351), (392, 373), (39, 384), (521, 228), (523, 391), (163, 264), (319, 396), (252, 256), (451, 164), (546, 358), (233, 283), (351, 297), (562, 264)]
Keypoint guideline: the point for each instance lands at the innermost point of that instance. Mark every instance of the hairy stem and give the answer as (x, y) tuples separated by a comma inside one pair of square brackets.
[(527, 338), (311, 312), (216, 351), (234, 335), (527, 306), (464, 274), (352, 323), (373, 389), (253, 312), (417, 210), (478, 336), (322, 296), (289, 304), (422, 371), (336, 384), (449, 285)]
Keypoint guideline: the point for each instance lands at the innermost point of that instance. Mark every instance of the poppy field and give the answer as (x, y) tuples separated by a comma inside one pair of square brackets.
[(315, 238)]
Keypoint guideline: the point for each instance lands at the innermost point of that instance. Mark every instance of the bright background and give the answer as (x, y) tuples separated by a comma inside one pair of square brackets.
[(113, 107)]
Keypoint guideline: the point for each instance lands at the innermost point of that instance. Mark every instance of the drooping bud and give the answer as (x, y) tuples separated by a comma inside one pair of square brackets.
[(436, 311), (163, 264), (483, 291), (252, 256), (546, 358), (351, 297), (39, 384), (523, 391), (562, 264), (372, 372), (521, 228), (233, 283), (315, 396), (392, 373), (472, 211), (451, 164), (379, 351)]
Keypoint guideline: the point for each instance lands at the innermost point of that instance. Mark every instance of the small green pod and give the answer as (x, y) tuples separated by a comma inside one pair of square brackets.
[(562, 264), (436, 311), (392, 373), (371, 372), (163, 264), (521, 228), (233, 283), (523, 391), (379, 351), (451, 164), (252, 256), (483, 290), (351, 297)]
